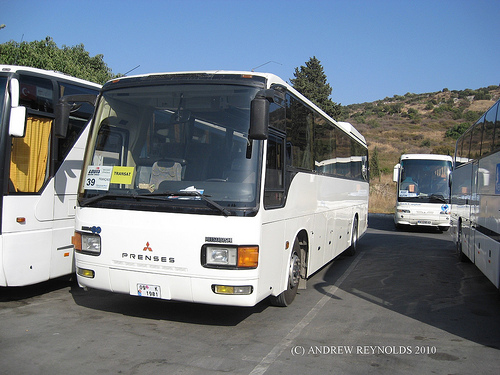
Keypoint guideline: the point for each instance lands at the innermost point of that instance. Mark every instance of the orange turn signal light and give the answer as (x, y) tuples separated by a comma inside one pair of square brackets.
[(248, 257), (76, 240)]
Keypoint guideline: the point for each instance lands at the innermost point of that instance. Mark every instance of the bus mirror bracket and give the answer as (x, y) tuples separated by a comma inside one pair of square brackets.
[(64, 108), (259, 114)]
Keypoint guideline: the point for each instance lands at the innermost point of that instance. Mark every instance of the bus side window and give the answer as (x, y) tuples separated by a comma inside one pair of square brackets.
[(274, 186), (476, 137), (496, 142), (30, 156), (488, 131)]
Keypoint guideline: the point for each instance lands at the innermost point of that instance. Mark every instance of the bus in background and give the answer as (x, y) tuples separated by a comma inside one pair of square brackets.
[(215, 187), (475, 195), (423, 191), (39, 173)]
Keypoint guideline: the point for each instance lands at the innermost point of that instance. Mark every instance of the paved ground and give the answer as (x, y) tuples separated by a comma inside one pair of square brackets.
[(404, 304)]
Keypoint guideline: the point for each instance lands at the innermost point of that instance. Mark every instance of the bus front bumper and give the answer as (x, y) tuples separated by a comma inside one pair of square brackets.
[(233, 292), (443, 221)]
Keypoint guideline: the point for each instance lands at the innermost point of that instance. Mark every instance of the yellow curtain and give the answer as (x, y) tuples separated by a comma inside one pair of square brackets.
[(28, 163)]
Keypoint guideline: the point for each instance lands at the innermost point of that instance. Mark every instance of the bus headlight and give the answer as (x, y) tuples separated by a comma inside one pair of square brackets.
[(214, 256), (221, 256), (87, 243)]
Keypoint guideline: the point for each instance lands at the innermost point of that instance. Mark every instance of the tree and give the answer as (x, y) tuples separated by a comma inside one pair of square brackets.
[(45, 54), (310, 81)]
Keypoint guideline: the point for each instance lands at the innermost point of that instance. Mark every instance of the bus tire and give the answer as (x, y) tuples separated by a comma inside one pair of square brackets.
[(286, 297), (351, 250)]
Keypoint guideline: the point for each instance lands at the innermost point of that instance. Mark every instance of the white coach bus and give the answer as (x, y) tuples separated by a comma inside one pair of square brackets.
[(215, 187), (475, 195), (39, 173), (423, 190)]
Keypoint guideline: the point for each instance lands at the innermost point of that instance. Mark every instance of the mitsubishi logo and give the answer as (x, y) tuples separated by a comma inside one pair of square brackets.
[(147, 247)]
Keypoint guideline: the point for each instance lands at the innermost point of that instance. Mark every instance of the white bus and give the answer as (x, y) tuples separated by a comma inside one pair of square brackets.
[(423, 191), (39, 173), (209, 187), (475, 195)]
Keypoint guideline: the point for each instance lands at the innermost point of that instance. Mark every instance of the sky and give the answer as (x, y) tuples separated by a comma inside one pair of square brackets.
[(369, 49)]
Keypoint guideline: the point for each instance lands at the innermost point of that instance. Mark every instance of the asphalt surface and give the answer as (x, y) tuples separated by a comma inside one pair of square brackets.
[(403, 304)]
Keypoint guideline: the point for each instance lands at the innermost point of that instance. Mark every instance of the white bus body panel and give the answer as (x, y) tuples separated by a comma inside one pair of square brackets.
[(487, 257), (40, 248)]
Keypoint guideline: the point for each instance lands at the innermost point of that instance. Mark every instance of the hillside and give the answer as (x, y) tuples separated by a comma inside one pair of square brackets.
[(415, 123)]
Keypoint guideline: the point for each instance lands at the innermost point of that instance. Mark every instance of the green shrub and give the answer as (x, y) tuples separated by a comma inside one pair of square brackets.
[(456, 131)]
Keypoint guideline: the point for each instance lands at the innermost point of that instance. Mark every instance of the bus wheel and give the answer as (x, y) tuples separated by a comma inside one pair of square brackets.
[(286, 297), (351, 250)]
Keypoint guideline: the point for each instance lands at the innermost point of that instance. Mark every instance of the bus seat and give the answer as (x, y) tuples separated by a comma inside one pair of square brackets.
[(163, 170)]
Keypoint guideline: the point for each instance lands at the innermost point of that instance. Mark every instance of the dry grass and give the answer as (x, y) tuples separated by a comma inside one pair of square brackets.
[(382, 195), (396, 134)]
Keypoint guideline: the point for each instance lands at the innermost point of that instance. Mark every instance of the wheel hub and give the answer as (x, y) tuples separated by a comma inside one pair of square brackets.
[(294, 270)]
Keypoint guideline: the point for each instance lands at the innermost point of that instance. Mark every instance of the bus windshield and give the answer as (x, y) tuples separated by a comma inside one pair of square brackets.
[(180, 148), (425, 181)]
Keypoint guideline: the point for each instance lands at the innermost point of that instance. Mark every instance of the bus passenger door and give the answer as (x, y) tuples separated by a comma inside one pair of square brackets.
[(28, 207)]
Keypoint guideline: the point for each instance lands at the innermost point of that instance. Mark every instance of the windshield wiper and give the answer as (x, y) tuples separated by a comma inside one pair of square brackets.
[(86, 201), (157, 196), (438, 197), (210, 202), (154, 196), (188, 193)]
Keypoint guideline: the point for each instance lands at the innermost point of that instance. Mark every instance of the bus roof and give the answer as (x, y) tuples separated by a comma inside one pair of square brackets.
[(50, 73), (271, 79), (425, 157)]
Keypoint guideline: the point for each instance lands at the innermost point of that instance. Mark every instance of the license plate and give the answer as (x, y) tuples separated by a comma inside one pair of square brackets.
[(424, 222), (148, 290)]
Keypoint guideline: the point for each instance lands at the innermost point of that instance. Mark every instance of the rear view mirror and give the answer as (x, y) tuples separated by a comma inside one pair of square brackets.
[(259, 113), (259, 118), (17, 122), (395, 174), (63, 110)]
